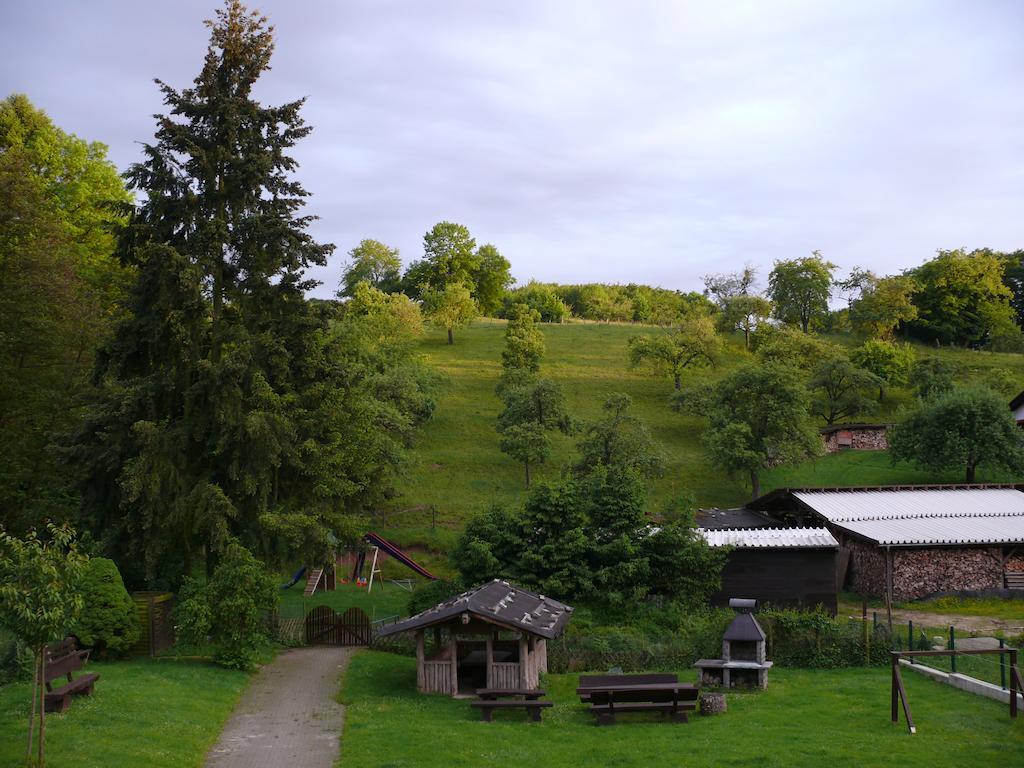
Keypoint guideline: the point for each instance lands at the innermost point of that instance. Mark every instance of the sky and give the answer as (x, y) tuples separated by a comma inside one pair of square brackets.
[(649, 142)]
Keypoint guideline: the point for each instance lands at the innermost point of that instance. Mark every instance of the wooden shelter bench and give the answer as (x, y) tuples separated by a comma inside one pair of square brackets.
[(509, 698), (609, 695), (61, 661)]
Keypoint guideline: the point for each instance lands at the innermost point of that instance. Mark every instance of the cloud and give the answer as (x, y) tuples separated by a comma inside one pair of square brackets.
[(648, 142)]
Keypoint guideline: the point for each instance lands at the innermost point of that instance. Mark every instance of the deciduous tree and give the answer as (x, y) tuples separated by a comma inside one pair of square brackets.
[(800, 289), (618, 441), (888, 361), (961, 429), (757, 418), (491, 279), (883, 305), (692, 343), (961, 297), (450, 307), (373, 263), (526, 442), (39, 602), (744, 313), (838, 388)]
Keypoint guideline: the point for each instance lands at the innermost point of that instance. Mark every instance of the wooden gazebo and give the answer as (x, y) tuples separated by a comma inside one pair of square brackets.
[(493, 636)]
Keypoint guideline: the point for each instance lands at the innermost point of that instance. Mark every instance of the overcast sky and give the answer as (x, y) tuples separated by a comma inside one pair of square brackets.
[(597, 141)]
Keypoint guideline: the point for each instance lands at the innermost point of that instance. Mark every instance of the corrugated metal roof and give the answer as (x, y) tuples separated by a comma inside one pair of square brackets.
[(769, 538), (920, 517)]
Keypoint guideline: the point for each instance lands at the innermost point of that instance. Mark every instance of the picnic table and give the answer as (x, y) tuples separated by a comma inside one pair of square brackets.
[(490, 699), (610, 694)]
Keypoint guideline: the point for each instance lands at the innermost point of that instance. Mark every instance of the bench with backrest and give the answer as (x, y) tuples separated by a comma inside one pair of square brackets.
[(62, 659), (612, 694), (509, 698)]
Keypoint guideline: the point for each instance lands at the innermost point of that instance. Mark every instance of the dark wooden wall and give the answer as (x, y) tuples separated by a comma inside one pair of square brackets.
[(798, 578)]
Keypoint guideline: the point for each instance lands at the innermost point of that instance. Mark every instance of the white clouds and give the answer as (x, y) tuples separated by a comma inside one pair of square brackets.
[(649, 141)]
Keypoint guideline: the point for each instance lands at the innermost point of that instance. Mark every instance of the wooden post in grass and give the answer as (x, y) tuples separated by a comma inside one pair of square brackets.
[(952, 647), (899, 690), (864, 630)]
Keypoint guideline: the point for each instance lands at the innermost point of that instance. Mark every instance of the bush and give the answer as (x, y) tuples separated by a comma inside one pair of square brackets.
[(672, 638), (231, 610), (107, 622), (431, 594)]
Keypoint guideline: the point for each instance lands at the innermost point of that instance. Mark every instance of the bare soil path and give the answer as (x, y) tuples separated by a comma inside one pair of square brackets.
[(930, 619), (289, 716)]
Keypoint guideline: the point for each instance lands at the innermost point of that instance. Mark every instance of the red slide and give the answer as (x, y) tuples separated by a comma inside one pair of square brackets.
[(399, 555)]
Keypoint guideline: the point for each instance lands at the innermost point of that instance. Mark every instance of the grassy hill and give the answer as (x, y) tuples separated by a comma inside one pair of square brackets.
[(458, 469)]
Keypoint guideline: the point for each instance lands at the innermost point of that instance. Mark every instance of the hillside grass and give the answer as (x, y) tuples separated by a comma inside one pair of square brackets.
[(804, 718), (458, 469)]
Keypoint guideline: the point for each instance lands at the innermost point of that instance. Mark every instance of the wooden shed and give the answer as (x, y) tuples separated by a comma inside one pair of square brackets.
[(492, 636), (784, 567)]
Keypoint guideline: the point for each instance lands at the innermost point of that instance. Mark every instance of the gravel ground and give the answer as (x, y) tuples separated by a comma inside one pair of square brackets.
[(289, 716)]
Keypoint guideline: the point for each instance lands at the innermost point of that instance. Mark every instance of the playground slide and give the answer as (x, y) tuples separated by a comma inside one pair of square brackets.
[(295, 579), (399, 555)]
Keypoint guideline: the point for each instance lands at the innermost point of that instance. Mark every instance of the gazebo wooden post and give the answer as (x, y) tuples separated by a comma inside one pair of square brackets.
[(453, 653), (524, 656), (421, 677), (542, 657), (490, 660)]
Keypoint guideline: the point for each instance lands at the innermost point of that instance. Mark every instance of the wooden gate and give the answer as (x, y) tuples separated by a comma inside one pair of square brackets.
[(325, 627)]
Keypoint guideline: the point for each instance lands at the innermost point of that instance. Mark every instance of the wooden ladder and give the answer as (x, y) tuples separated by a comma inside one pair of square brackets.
[(312, 582)]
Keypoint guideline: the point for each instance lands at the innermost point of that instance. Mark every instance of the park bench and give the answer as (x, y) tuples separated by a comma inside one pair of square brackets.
[(62, 659), (491, 699), (609, 695)]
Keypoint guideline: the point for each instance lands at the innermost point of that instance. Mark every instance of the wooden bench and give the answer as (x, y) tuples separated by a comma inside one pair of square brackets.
[(61, 661), (610, 694), (509, 698)]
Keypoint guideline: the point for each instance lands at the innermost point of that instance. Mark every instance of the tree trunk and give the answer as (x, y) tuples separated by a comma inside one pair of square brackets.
[(755, 483), (36, 677), (527, 464), (679, 382), (881, 392), (451, 336), (970, 473), (746, 338), (42, 706)]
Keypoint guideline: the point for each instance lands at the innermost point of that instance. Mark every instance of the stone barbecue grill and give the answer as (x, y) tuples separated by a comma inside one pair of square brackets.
[(743, 663)]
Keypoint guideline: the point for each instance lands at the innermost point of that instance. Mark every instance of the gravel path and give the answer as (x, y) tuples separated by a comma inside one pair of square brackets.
[(288, 717)]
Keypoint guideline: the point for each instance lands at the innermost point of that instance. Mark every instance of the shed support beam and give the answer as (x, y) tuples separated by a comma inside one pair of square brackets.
[(421, 682), (453, 652)]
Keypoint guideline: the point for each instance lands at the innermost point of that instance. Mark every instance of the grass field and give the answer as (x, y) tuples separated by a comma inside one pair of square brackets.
[(389, 600), (142, 713), (458, 469), (805, 718)]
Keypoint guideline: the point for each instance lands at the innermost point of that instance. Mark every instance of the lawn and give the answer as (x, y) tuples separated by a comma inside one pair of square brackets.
[(805, 718), (389, 600), (458, 470), (143, 713)]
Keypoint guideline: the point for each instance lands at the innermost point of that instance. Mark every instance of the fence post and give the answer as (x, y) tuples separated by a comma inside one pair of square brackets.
[(874, 622), (952, 647), (910, 638), (1002, 665)]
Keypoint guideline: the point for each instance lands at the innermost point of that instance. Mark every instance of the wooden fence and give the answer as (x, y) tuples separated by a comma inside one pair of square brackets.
[(325, 627), (153, 610)]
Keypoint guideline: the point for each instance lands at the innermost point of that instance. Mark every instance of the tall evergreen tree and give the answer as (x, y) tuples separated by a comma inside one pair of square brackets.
[(231, 407)]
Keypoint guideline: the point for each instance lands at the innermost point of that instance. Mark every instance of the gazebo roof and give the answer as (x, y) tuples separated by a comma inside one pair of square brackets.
[(497, 602)]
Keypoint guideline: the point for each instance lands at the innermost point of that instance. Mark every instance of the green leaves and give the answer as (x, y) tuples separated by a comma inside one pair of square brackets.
[(961, 429), (800, 289)]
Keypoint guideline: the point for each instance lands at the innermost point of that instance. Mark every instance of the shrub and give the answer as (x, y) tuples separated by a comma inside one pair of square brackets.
[(231, 610), (107, 622), (431, 594)]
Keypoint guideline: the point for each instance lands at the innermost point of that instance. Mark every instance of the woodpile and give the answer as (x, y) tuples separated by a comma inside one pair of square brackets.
[(919, 572)]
